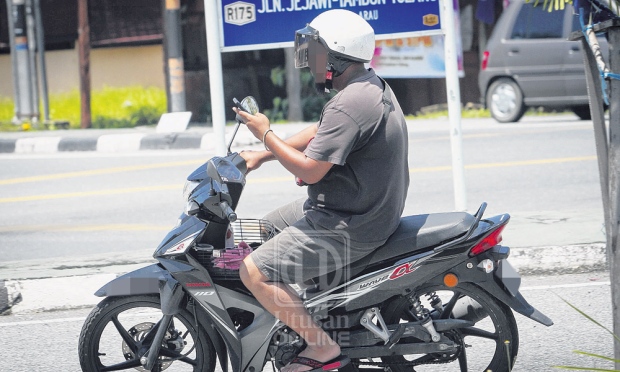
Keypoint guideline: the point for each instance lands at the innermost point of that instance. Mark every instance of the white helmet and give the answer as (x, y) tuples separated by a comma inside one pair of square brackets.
[(332, 42)]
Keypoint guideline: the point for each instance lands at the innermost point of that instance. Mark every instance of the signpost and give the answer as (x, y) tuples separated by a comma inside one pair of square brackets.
[(264, 24)]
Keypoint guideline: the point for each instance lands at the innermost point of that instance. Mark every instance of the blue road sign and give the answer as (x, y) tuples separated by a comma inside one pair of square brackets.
[(264, 24)]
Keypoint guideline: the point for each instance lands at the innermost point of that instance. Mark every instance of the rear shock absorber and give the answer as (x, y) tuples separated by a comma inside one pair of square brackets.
[(423, 316), (435, 301)]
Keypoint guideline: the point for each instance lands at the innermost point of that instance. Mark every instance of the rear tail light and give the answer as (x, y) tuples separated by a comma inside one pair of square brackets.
[(488, 242), (485, 60)]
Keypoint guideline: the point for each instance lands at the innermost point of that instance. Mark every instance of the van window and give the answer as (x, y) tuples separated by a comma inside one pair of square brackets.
[(533, 22)]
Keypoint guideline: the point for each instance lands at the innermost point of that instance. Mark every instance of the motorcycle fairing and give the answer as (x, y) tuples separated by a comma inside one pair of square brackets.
[(189, 226), (247, 347)]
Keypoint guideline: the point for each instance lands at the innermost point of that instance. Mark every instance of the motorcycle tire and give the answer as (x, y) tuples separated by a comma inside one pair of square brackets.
[(490, 345), (114, 331)]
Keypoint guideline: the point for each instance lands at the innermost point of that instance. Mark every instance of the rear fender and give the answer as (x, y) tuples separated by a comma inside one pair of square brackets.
[(515, 301), (502, 284)]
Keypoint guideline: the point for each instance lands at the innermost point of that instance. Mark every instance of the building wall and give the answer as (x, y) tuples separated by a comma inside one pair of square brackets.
[(115, 67)]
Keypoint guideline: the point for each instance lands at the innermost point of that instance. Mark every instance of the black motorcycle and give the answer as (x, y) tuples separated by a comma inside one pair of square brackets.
[(440, 291)]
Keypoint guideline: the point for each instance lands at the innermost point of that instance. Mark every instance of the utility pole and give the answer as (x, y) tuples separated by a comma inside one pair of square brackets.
[(84, 61), (175, 69)]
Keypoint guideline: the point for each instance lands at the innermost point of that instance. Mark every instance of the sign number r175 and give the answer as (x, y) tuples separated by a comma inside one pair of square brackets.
[(239, 13)]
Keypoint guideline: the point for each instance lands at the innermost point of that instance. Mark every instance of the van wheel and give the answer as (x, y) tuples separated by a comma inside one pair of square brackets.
[(582, 111), (505, 101)]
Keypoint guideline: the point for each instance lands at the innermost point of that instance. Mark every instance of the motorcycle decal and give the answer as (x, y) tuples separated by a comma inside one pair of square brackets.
[(193, 285), (182, 246), (204, 293), (373, 282), (404, 269), (401, 270)]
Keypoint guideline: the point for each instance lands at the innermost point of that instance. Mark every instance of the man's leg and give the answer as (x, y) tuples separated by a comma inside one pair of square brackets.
[(285, 305)]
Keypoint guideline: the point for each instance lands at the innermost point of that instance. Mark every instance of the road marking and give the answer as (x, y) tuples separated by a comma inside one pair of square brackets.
[(96, 172), (90, 193), (503, 132), (141, 314), (35, 322), (506, 164), (250, 181), (83, 228)]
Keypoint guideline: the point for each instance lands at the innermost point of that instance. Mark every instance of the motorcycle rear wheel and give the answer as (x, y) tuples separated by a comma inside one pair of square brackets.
[(491, 344), (112, 335)]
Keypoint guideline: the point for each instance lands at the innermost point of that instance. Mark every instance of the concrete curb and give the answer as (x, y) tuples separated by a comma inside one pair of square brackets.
[(72, 292), (111, 141), (10, 295), (108, 143)]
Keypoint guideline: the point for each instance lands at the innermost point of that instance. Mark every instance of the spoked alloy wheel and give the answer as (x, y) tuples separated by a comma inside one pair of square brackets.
[(483, 347), (116, 335)]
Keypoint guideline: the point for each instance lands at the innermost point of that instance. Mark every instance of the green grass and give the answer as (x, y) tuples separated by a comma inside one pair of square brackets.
[(110, 108)]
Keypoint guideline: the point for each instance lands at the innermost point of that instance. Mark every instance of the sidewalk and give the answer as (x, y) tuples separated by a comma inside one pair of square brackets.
[(47, 285)]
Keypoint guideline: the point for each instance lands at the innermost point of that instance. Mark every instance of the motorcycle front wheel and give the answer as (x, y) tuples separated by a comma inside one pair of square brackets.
[(115, 336), (491, 344)]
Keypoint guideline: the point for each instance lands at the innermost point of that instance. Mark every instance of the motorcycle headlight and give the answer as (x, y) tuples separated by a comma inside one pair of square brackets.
[(188, 188)]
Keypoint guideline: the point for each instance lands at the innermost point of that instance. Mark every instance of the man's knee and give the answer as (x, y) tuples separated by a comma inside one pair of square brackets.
[(249, 273)]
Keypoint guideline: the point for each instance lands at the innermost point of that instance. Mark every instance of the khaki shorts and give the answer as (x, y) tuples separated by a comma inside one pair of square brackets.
[(300, 251)]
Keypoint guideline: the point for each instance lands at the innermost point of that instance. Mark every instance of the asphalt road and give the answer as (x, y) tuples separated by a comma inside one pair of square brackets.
[(543, 171), (26, 349)]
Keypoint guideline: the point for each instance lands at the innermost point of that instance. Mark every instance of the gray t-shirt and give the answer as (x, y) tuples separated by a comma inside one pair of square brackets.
[(364, 192)]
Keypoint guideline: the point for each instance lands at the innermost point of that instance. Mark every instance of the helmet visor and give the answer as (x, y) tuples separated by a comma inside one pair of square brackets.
[(304, 39)]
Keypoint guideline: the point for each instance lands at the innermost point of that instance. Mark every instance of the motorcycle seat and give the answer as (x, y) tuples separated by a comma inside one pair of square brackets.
[(419, 232)]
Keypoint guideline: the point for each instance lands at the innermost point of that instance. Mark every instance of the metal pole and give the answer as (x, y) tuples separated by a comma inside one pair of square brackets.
[(22, 60), (32, 65), (174, 51), (41, 54), (454, 103), (216, 79), (10, 11)]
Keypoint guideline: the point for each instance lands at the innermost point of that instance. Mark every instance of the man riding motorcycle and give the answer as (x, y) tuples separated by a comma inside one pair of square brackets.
[(354, 161)]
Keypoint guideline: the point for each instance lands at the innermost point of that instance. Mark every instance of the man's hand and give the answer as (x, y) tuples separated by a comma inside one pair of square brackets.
[(254, 159), (257, 124)]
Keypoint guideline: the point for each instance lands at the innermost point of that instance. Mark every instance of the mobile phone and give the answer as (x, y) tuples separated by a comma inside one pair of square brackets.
[(238, 104), (241, 108)]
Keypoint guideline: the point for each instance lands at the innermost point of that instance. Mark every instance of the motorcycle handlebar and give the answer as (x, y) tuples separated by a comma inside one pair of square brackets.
[(228, 212)]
